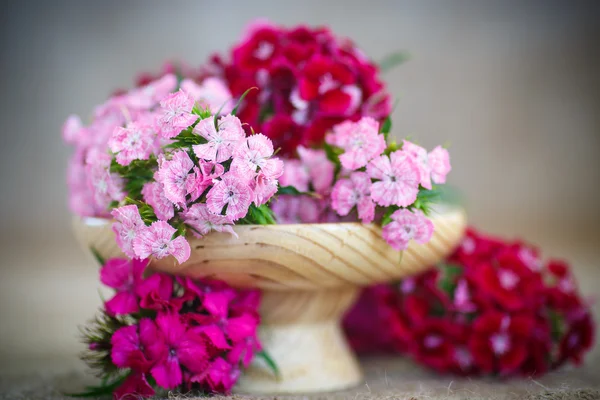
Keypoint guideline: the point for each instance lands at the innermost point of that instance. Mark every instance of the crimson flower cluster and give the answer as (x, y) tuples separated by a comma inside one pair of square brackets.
[(493, 308), (171, 333), (309, 80)]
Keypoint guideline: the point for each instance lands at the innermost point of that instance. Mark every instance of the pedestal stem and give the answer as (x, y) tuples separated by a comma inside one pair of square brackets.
[(301, 332)]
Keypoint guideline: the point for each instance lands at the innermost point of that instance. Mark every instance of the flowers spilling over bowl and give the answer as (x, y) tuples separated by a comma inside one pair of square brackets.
[(162, 160), (492, 308)]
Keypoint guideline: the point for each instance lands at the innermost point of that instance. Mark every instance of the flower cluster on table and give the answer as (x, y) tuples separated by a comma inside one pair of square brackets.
[(167, 333), (493, 308)]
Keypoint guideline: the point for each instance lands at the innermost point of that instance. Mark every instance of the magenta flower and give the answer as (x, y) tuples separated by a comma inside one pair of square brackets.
[(255, 154), (398, 179), (222, 142), (135, 346), (439, 160), (154, 195), (176, 114), (348, 193), (212, 93), (360, 140), (127, 226), (173, 174), (157, 240), (220, 377), (230, 191), (124, 276), (156, 292), (203, 221), (407, 225), (135, 142), (179, 347), (136, 386)]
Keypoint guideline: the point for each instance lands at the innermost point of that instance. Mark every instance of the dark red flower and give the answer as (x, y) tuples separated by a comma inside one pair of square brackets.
[(578, 339), (136, 386)]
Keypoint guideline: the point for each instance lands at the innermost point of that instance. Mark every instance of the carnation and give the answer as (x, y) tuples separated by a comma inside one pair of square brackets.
[(492, 308)]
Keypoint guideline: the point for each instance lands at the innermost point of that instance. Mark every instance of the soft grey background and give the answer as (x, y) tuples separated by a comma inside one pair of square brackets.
[(513, 86)]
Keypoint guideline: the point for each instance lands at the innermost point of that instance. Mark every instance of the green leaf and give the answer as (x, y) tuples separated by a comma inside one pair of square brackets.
[(386, 127), (393, 60), (270, 363), (557, 325), (291, 190), (97, 256), (105, 389), (235, 109), (450, 273), (387, 217)]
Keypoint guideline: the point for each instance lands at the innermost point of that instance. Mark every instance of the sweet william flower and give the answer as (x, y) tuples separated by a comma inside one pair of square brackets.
[(360, 140), (124, 276), (254, 154), (176, 114), (398, 179), (354, 192), (263, 188), (203, 221), (174, 174), (220, 376), (221, 142), (179, 346), (407, 225), (157, 240), (320, 169), (136, 386), (135, 346), (439, 160), (212, 93), (231, 191), (71, 129), (128, 224), (154, 195), (135, 142), (295, 174), (150, 94)]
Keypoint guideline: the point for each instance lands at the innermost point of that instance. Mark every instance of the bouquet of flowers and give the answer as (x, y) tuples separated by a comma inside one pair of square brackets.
[(169, 333), (492, 308)]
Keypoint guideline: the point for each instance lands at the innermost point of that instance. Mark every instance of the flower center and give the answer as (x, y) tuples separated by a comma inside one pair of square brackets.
[(263, 51), (500, 343), (326, 83), (432, 341), (508, 279), (172, 352)]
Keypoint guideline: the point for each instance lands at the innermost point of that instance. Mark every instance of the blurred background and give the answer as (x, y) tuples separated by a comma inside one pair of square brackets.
[(513, 87)]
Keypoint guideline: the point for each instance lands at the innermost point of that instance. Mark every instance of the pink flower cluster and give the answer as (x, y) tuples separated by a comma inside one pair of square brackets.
[(187, 334), (199, 170), (308, 81), (375, 178), (493, 308)]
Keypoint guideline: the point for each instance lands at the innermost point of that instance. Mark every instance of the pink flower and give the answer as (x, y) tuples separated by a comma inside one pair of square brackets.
[(348, 193), (230, 191), (135, 142), (360, 140), (176, 114), (255, 154), (173, 174), (124, 276), (71, 129), (179, 347), (399, 180), (148, 96), (105, 186), (154, 195), (157, 240), (136, 386), (202, 177), (439, 160), (319, 168), (295, 174), (263, 188), (421, 160), (127, 226), (296, 209), (212, 93), (222, 142), (203, 221), (407, 225)]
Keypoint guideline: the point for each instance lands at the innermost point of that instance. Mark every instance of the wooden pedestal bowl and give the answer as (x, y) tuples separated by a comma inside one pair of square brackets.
[(310, 274)]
